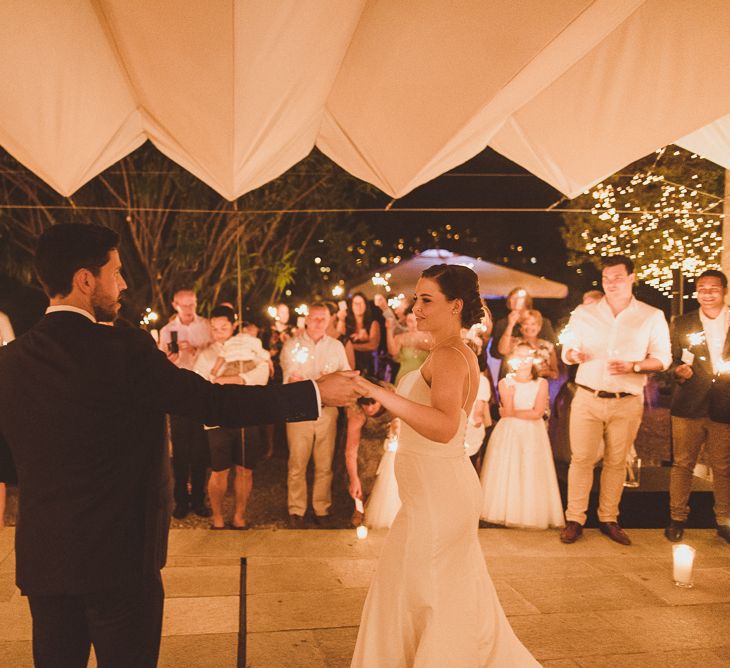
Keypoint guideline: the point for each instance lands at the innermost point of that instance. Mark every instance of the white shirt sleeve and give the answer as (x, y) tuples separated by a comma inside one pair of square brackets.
[(343, 364), (285, 361), (660, 346), (484, 393), (573, 334), (259, 375)]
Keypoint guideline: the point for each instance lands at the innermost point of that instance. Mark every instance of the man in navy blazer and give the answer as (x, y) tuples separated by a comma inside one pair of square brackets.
[(701, 402), (82, 410)]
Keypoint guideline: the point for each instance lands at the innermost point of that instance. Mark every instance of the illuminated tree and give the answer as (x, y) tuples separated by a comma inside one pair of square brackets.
[(664, 211)]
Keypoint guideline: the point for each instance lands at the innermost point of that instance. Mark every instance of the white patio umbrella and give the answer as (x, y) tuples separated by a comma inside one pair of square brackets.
[(494, 280), (396, 92)]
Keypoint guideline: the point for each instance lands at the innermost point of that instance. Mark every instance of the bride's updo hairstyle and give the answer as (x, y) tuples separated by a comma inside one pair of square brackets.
[(459, 282)]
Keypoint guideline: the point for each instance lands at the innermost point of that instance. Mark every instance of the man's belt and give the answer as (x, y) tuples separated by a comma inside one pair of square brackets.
[(602, 394)]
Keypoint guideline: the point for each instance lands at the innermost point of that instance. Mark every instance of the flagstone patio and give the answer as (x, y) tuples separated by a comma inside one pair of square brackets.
[(591, 604)]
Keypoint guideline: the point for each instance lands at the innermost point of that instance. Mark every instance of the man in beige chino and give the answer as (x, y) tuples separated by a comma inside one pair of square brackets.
[(616, 342)]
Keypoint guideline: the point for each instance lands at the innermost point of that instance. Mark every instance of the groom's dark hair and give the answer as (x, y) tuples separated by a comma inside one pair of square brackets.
[(64, 249)]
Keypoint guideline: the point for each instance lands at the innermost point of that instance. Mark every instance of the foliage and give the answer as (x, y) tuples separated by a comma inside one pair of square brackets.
[(176, 232), (664, 211)]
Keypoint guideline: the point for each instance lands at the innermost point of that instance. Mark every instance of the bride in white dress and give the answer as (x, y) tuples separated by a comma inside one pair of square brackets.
[(431, 602)]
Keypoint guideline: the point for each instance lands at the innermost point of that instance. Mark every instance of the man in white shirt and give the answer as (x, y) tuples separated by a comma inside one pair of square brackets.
[(616, 342), (181, 339), (307, 356), (230, 448), (701, 402)]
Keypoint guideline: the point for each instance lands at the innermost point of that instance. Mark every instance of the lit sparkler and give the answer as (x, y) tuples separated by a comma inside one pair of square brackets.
[(696, 338)]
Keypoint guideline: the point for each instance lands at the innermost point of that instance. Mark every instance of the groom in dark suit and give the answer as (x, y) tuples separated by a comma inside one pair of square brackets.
[(701, 402), (82, 410)]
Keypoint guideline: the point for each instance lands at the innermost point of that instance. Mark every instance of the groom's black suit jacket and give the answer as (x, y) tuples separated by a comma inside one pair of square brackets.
[(82, 408)]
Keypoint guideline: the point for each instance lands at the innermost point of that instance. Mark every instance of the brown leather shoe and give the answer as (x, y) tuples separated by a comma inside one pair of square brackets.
[(571, 533), (615, 532)]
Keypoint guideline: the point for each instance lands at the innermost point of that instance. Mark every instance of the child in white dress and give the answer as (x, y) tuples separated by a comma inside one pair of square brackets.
[(519, 485)]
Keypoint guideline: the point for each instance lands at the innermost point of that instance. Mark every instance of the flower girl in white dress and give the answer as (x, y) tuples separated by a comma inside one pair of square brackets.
[(519, 485)]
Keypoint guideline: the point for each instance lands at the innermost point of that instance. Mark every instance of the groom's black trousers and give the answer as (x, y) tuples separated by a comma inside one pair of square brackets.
[(124, 624)]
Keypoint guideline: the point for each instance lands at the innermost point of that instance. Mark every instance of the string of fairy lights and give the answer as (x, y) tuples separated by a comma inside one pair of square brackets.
[(681, 230)]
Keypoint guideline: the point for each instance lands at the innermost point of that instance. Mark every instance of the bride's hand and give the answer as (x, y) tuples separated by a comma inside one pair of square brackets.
[(364, 387)]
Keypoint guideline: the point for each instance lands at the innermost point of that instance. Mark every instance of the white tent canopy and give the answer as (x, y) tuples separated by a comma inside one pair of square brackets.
[(494, 279), (396, 92)]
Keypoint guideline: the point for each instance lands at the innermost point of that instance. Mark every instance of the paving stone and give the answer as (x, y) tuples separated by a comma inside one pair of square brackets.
[(559, 663), (285, 574), (513, 603), (202, 581), (199, 651), (305, 610), (354, 572), (568, 594), (18, 654), (673, 628), (286, 649), (15, 622), (567, 635), (7, 587), (200, 615), (712, 585), (182, 561), (518, 566), (336, 645), (7, 565), (674, 659)]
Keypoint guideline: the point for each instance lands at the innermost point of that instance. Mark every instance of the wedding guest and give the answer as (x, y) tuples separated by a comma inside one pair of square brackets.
[(701, 402), (334, 332), (530, 324), (592, 297), (231, 448), (274, 337), (519, 485), (410, 347), (616, 343), (364, 332), (519, 301), (181, 339), (368, 425), (6, 330), (307, 356), (480, 418)]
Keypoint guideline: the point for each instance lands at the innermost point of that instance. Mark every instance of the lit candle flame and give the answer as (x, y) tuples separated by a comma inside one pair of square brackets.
[(362, 532)]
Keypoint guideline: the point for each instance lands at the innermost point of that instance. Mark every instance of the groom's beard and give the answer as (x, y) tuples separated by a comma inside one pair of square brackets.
[(105, 308)]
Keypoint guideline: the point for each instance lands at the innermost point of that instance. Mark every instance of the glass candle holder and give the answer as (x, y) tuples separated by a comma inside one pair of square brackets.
[(633, 472), (683, 564)]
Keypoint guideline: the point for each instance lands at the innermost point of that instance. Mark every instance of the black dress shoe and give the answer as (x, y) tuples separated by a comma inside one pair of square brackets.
[(675, 531), (296, 522), (614, 532), (202, 510), (571, 533), (724, 532), (323, 521), (181, 511)]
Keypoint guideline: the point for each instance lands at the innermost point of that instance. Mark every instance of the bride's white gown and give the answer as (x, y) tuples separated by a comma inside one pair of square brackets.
[(431, 602)]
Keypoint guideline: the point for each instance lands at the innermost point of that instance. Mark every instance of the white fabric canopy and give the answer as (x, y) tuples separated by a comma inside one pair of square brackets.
[(395, 91), (494, 279)]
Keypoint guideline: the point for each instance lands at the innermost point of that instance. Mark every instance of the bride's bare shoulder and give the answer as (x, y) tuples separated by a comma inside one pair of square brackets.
[(452, 357)]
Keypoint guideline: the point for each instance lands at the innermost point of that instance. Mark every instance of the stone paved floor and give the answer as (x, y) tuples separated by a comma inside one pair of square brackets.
[(592, 604)]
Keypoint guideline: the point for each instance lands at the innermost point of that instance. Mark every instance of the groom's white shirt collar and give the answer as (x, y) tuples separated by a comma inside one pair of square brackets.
[(72, 309)]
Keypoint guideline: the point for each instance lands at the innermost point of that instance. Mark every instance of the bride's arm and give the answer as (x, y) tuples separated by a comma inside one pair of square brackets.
[(439, 421)]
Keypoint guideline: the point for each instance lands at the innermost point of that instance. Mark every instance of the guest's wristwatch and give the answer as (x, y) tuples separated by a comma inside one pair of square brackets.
[(636, 368)]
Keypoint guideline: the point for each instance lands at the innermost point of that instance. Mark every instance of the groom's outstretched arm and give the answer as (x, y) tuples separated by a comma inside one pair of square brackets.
[(159, 385)]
